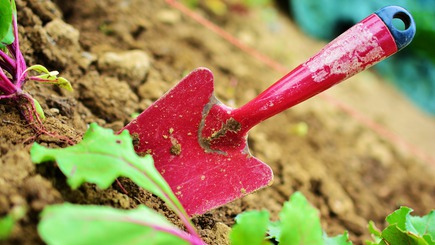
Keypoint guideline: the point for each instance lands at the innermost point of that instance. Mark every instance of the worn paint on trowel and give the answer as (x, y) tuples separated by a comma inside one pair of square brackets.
[(347, 56)]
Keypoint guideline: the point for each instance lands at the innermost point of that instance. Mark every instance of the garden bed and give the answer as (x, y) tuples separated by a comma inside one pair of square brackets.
[(120, 56)]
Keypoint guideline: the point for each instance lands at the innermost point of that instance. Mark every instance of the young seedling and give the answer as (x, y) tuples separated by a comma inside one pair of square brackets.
[(299, 224), (102, 156), (404, 228), (14, 72), (62, 223)]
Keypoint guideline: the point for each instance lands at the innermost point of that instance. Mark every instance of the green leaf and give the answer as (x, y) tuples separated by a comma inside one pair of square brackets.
[(375, 232), (14, 7), (7, 39), (7, 222), (420, 226), (6, 225), (425, 226), (70, 224), (64, 83), (49, 77), (5, 18), (38, 68), (394, 235), (337, 240), (274, 230), (101, 157), (400, 218), (250, 228), (38, 109), (406, 229), (300, 222)]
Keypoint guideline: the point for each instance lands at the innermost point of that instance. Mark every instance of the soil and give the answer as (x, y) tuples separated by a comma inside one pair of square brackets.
[(122, 55)]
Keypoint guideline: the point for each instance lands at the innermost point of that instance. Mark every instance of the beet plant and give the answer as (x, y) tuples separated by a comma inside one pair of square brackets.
[(14, 72), (101, 157)]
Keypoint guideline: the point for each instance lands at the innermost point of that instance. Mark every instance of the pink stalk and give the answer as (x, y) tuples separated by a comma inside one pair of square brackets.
[(7, 63), (20, 67), (15, 65), (42, 80), (7, 87), (178, 211), (9, 96), (183, 235)]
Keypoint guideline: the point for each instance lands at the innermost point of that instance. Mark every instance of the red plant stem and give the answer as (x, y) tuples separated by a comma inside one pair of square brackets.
[(30, 108), (170, 201), (182, 215), (16, 60), (7, 87), (6, 66), (15, 30), (121, 186), (8, 96), (183, 235), (8, 61), (20, 63), (14, 67), (38, 79), (31, 116)]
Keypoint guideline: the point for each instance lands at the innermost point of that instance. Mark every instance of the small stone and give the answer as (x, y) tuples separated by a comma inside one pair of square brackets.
[(62, 41), (63, 34), (86, 59), (168, 16), (124, 202), (54, 111), (131, 66)]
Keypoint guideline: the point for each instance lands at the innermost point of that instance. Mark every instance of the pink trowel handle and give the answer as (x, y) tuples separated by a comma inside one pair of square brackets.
[(363, 45)]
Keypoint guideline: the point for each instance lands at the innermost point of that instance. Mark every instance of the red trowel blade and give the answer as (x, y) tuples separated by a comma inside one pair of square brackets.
[(169, 131)]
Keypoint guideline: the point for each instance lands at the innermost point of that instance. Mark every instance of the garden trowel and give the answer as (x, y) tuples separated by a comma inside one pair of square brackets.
[(199, 145)]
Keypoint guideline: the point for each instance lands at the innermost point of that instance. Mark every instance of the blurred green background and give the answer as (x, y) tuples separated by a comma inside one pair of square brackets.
[(412, 70)]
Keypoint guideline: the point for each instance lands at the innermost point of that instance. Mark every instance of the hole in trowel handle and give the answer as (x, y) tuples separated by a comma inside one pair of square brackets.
[(400, 24), (401, 21)]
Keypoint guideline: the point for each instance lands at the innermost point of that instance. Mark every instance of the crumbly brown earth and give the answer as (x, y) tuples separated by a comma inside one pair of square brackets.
[(122, 55)]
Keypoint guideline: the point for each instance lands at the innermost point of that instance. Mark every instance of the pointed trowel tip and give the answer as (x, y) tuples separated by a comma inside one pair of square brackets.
[(202, 72)]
